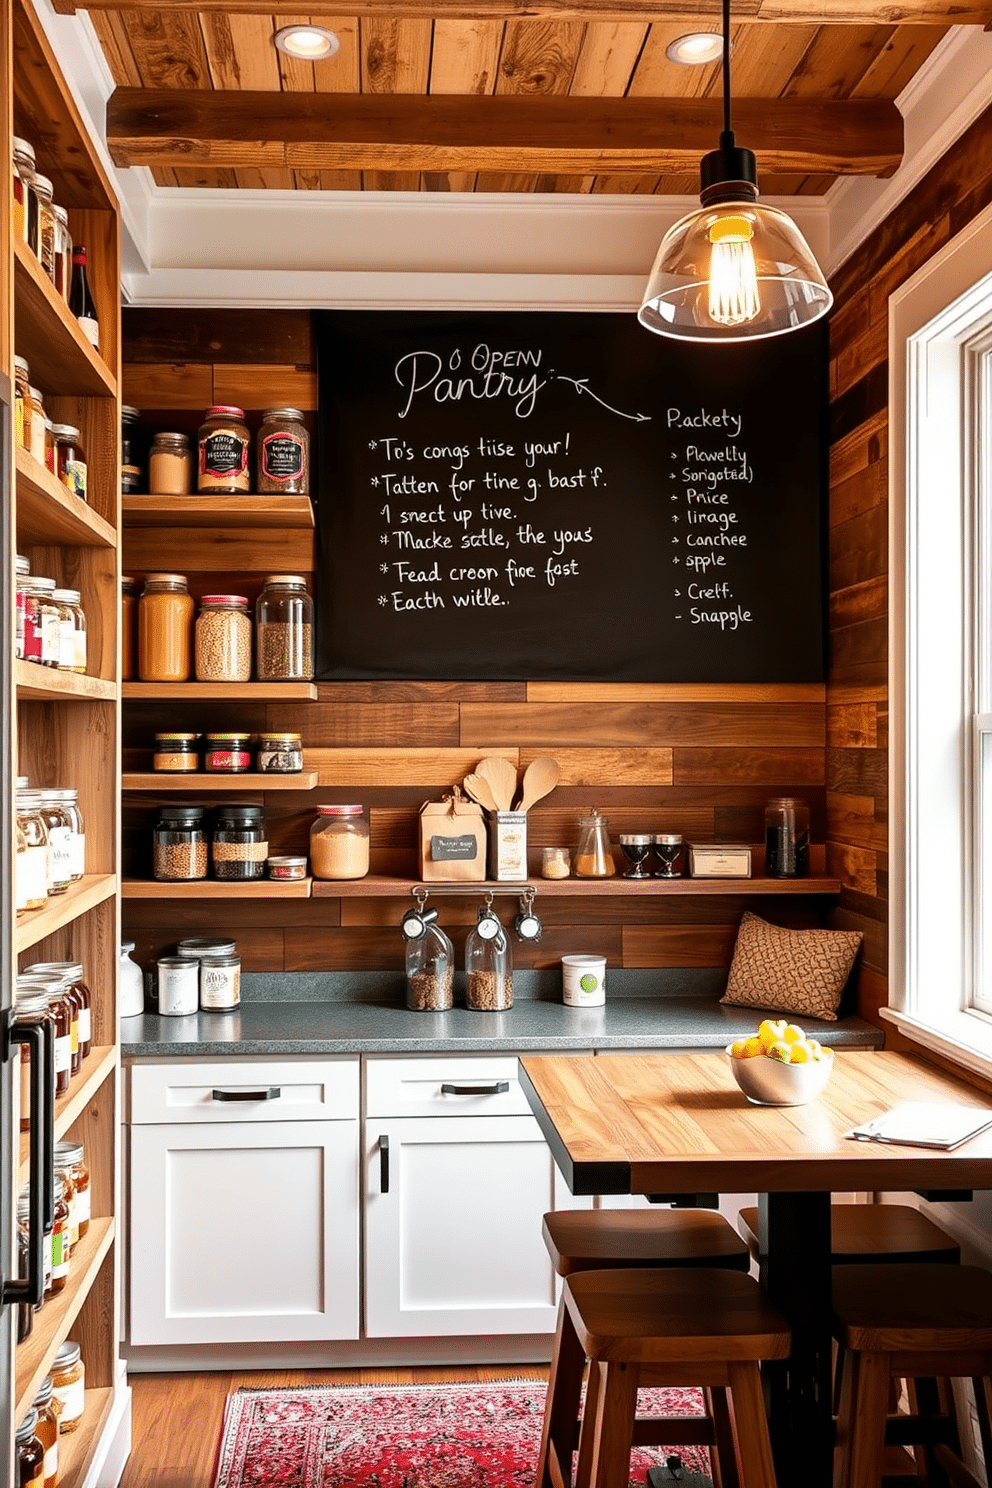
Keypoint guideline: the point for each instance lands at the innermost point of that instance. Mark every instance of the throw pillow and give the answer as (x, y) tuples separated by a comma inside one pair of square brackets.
[(790, 971)]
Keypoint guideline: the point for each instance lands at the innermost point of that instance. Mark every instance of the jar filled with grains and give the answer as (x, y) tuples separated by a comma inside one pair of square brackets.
[(283, 453), (176, 753), (165, 629), (179, 845), (488, 971), (279, 754), (339, 842), (170, 465), (240, 846), (69, 1386), (227, 754), (223, 639), (284, 630), (224, 444)]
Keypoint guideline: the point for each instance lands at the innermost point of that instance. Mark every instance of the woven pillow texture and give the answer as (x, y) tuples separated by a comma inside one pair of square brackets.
[(790, 971)]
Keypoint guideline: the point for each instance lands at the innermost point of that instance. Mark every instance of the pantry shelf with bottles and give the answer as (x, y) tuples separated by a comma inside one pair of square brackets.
[(65, 522)]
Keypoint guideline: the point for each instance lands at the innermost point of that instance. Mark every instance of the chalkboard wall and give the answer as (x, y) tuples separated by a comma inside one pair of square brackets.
[(567, 496)]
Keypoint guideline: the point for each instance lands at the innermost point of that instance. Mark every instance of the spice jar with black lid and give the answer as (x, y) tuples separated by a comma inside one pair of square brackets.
[(223, 443), (283, 453), (179, 845), (279, 754), (176, 753), (240, 846), (132, 477), (227, 754)]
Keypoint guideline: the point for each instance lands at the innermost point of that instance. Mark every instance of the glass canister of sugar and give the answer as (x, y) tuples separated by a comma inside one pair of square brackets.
[(339, 842)]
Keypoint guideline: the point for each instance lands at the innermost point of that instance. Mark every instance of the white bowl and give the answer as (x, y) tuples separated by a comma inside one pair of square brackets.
[(766, 1082)]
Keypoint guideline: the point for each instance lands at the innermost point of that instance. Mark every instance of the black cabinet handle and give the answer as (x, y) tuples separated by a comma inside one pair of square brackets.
[(498, 1087), (39, 1037), (383, 1164), (273, 1093)]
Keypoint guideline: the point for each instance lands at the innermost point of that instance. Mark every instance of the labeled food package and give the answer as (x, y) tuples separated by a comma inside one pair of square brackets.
[(508, 846), (452, 841)]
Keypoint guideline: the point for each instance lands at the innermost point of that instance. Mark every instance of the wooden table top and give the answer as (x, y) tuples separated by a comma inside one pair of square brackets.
[(678, 1123)]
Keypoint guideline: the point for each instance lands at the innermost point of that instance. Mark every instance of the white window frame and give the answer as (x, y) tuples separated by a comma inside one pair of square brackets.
[(940, 648)]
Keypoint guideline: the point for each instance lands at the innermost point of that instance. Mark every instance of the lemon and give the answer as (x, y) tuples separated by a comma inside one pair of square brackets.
[(801, 1052), (793, 1034), (752, 1048), (770, 1031), (781, 1051), (737, 1048)]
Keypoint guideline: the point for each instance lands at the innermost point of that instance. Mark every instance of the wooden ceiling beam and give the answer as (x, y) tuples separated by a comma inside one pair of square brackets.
[(704, 14), (526, 133)]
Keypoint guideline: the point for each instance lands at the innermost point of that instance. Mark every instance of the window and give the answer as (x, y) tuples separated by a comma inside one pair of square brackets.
[(940, 767)]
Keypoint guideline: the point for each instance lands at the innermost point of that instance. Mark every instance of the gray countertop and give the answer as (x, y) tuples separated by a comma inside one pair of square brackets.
[(372, 1025)]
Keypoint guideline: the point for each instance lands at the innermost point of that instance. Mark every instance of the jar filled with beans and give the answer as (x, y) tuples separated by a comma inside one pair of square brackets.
[(284, 630), (240, 845), (179, 845), (223, 639)]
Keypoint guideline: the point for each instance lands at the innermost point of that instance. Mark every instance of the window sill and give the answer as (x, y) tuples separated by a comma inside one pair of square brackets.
[(964, 1038)]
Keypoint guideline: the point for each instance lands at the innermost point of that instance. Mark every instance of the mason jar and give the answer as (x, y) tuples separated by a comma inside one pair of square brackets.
[(240, 845), (165, 629), (284, 630), (222, 642), (179, 845)]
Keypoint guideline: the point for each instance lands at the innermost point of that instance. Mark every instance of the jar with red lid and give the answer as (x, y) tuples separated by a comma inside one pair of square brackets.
[(339, 842), (224, 445), (222, 639), (227, 754)]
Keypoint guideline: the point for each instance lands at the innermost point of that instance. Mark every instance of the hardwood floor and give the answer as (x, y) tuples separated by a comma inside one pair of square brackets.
[(177, 1418)]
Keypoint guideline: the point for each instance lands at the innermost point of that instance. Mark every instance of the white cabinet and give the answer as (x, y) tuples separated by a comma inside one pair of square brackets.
[(244, 1201), (457, 1179)]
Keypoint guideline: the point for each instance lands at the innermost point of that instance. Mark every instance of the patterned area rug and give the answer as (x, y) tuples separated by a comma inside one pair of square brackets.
[(414, 1436)]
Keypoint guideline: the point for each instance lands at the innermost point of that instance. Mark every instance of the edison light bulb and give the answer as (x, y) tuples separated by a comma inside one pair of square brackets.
[(733, 275)]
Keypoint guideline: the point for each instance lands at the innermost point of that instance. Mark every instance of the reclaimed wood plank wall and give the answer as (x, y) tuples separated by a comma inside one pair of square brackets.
[(701, 760), (948, 197)]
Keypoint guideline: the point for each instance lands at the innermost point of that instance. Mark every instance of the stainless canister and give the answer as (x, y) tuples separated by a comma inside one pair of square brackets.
[(220, 983), (178, 986)]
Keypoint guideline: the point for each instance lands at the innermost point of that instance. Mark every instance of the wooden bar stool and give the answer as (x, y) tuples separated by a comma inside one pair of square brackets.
[(671, 1327), (907, 1322), (597, 1239), (884, 1234)]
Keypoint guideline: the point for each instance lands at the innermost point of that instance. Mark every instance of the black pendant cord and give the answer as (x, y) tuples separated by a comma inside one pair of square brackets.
[(728, 133)]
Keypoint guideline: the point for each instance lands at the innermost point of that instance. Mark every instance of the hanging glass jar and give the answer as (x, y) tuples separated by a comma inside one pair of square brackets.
[(284, 630), (593, 855), (430, 967), (488, 971)]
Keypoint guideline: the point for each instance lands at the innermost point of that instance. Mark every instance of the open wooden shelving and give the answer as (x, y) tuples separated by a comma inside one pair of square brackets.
[(34, 925), (200, 782), (51, 684), (47, 512), (242, 692), (98, 1067), (217, 511), (59, 355), (382, 887), (212, 888)]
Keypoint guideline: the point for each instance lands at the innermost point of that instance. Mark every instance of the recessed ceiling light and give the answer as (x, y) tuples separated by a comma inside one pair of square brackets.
[(698, 46), (312, 43)]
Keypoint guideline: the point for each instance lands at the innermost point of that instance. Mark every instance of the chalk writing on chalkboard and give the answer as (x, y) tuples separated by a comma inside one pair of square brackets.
[(562, 495)]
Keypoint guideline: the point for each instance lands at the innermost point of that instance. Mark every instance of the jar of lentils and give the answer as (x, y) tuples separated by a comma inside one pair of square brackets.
[(240, 846), (223, 443), (179, 845), (223, 639), (283, 453), (284, 630)]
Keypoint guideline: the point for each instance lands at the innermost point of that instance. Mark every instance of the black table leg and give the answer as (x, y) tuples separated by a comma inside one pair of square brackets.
[(794, 1236)]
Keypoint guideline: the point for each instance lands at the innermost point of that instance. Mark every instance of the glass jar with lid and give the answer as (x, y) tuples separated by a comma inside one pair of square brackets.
[(61, 1246), (223, 639), (488, 971), (20, 846), (786, 838), (132, 478), (69, 1160), (63, 252), (34, 424), (176, 754), (224, 445), (179, 845), (220, 982), (25, 204), (59, 827), (279, 754), (430, 965), (593, 854), (72, 630), (170, 465), (165, 629), (24, 1218), (23, 573), (227, 754), (71, 459), (283, 453), (64, 1014), (129, 604), (30, 1453), (240, 844), (47, 620), (30, 1006), (339, 842), (68, 1377), (284, 630), (32, 863), (71, 974), (22, 383), (51, 448), (68, 798), (46, 224), (47, 1431)]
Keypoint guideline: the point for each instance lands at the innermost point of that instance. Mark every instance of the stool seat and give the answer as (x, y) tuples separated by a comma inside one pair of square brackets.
[(884, 1309), (587, 1240), (886, 1234), (674, 1317)]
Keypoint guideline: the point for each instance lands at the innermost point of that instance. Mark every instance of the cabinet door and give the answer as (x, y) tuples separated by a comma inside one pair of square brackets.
[(453, 1227), (244, 1233)]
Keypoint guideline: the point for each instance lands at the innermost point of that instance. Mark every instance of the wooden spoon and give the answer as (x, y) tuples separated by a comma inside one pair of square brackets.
[(501, 778), (479, 790), (540, 778)]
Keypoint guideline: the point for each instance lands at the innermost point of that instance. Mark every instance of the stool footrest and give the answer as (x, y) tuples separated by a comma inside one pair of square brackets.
[(686, 1431)]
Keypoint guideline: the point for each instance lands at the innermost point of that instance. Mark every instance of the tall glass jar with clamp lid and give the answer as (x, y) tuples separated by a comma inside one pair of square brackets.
[(488, 970), (430, 961)]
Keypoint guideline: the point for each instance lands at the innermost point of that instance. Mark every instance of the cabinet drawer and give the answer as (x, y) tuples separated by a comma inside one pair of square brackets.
[(445, 1085), (243, 1091)]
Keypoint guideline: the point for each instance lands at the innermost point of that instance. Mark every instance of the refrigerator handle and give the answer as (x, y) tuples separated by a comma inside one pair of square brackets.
[(41, 1216)]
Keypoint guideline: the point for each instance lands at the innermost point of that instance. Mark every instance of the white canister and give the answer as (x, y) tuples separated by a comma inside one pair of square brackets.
[(131, 984), (583, 981), (178, 986)]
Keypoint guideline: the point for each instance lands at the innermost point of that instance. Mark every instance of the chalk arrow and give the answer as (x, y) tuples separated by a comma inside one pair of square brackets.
[(581, 385)]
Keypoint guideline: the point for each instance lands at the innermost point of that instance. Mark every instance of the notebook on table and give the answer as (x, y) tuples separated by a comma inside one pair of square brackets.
[(940, 1124)]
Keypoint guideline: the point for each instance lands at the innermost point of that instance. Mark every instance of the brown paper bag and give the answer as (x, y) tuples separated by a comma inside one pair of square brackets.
[(452, 840)]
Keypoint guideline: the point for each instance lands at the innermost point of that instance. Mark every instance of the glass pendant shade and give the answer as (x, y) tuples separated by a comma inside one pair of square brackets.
[(733, 271)]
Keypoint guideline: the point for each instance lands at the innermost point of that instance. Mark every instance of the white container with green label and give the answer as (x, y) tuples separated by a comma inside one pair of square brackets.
[(583, 981)]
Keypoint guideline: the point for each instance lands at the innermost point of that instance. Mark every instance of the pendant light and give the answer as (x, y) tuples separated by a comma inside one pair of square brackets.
[(732, 270)]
